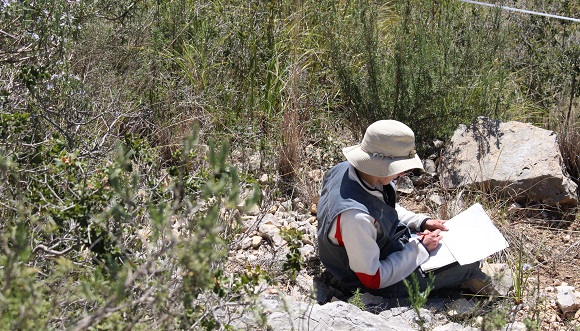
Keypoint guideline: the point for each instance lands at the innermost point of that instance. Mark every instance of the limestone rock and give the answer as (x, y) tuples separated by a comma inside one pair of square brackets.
[(437, 143), (429, 166), (460, 307), (567, 300), (338, 315), (514, 159), (271, 232), (251, 210), (314, 208), (248, 222), (515, 326), (307, 239), (454, 327), (405, 185), (308, 252), (256, 241), (501, 277), (436, 199), (246, 243)]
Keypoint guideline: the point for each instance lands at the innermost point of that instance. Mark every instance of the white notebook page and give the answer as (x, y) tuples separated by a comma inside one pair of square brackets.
[(471, 237)]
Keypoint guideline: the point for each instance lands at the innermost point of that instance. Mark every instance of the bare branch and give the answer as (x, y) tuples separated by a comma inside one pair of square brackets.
[(51, 251), (8, 34)]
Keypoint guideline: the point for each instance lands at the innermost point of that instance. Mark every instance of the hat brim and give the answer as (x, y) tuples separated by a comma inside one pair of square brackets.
[(385, 167)]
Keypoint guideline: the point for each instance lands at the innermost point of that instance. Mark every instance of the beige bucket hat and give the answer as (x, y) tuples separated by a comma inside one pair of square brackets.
[(388, 148)]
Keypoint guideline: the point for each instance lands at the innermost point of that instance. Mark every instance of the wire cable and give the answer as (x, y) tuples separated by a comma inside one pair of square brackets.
[(522, 10)]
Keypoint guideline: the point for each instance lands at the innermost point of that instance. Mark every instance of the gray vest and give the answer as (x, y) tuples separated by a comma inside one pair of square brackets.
[(339, 193)]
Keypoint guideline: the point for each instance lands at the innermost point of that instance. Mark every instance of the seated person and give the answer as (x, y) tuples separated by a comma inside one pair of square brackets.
[(363, 234)]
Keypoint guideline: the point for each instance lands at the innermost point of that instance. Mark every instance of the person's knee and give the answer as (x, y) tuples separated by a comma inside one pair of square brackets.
[(472, 270)]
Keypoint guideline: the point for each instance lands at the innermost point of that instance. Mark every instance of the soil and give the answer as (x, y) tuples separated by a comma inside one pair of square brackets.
[(557, 255)]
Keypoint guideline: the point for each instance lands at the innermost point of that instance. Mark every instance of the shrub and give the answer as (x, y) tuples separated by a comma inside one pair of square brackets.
[(92, 249), (437, 71)]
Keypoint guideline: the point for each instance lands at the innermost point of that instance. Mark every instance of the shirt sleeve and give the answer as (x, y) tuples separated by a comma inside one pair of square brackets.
[(411, 219), (359, 233)]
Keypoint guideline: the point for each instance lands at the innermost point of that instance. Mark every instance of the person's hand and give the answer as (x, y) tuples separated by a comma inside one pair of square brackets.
[(434, 224), (431, 239)]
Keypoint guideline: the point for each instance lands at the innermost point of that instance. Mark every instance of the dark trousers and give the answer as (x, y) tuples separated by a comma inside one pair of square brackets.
[(446, 278)]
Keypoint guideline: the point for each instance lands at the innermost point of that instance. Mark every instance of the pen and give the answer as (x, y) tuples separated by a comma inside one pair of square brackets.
[(422, 235)]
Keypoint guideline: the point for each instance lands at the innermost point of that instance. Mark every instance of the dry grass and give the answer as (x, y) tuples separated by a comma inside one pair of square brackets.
[(569, 141)]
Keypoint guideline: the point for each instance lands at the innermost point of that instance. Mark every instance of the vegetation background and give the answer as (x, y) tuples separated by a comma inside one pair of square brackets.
[(119, 186)]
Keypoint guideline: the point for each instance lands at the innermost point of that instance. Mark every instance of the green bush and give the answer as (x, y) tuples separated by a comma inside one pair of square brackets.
[(436, 70), (91, 250)]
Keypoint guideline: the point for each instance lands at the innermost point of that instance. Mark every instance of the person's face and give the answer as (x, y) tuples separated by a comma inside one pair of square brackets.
[(386, 180)]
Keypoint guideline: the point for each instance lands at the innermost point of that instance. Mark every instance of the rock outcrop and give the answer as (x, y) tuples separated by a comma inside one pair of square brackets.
[(514, 159)]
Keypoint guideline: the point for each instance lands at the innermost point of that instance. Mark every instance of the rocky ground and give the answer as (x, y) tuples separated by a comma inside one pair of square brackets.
[(550, 243)]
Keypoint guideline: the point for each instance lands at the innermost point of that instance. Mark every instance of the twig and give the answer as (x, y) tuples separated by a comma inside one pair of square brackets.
[(8, 34), (108, 307), (50, 250)]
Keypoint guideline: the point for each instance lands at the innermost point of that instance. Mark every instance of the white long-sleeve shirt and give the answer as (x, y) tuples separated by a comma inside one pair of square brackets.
[(357, 231)]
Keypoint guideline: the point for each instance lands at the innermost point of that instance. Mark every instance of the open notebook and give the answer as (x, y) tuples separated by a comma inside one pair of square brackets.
[(471, 237)]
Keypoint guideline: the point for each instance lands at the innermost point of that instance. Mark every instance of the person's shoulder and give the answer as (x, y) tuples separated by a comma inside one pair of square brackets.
[(342, 165)]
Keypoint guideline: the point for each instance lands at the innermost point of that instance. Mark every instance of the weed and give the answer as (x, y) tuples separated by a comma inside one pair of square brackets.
[(356, 300), (294, 260), (495, 319), (521, 273), (417, 297)]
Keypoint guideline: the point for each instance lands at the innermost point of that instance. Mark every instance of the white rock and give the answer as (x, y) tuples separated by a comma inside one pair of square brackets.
[(460, 307), (501, 277), (277, 240), (287, 205), (429, 166), (256, 241), (436, 199), (268, 229), (272, 209), (307, 240), (270, 219), (307, 251), (515, 159), (567, 300), (304, 281), (248, 222), (251, 257), (515, 326), (246, 243), (252, 210), (405, 185)]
